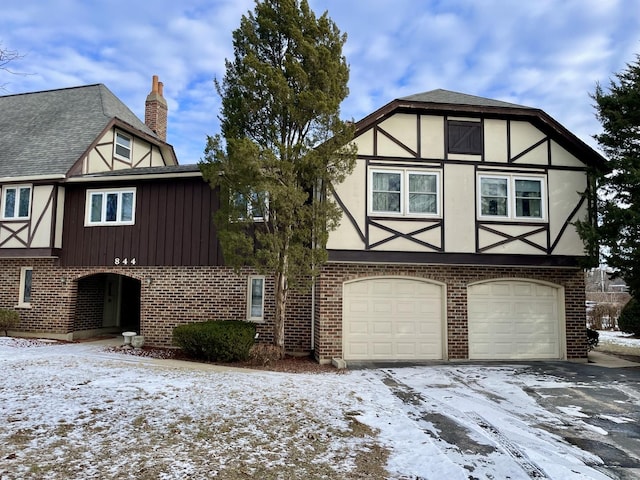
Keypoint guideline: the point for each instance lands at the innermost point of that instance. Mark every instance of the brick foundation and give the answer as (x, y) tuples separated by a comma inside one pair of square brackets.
[(328, 333), (68, 299)]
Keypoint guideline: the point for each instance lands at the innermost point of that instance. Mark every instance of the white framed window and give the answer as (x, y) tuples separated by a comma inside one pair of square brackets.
[(404, 192), (26, 277), (511, 197), (16, 202), (122, 146), (255, 298), (111, 207), (255, 204)]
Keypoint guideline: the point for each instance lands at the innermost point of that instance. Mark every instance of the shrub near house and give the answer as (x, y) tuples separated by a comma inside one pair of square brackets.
[(222, 341), (8, 319)]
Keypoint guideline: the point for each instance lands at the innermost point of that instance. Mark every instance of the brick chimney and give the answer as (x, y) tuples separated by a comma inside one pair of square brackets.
[(155, 110)]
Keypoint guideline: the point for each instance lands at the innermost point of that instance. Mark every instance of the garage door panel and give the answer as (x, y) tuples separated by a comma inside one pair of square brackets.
[(513, 320), (383, 327), (402, 319)]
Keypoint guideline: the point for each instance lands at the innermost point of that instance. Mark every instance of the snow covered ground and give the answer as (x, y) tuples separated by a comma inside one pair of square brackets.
[(76, 411), (619, 338)]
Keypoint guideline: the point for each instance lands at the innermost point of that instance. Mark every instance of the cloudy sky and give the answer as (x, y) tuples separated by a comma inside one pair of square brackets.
[(547, 54)]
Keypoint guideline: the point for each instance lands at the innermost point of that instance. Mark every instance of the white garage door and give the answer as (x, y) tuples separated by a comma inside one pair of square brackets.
[(514, 320), (392, 319)]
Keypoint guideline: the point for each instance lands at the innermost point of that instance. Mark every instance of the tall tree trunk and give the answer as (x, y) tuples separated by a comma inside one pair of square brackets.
[(281, 291), (281, 306)]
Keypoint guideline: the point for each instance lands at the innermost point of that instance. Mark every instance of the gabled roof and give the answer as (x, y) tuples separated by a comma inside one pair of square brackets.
[(45, 133), (446, 102)]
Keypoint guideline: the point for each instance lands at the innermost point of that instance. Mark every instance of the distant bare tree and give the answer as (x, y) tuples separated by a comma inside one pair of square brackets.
[(6, 57)]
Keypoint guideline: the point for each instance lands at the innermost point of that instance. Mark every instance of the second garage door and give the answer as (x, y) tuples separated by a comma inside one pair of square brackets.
[(513, 319), (392, 319)]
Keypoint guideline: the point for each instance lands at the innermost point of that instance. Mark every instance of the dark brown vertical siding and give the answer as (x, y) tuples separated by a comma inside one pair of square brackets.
[(173, 226)]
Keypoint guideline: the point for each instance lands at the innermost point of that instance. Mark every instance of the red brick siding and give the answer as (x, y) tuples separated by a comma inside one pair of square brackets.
[(176, 295), (457, 278)]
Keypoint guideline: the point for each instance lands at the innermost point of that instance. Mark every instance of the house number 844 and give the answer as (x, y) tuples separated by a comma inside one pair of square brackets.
[(124, 261)]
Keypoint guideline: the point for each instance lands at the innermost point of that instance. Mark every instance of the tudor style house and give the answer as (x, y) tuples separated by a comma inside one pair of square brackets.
[(456, 240)]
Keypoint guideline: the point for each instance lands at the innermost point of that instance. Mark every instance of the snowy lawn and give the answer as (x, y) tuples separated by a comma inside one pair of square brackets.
[(618, 342), (77, 412)]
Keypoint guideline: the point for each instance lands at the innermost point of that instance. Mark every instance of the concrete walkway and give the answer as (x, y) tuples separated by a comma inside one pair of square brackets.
[(600, 359)]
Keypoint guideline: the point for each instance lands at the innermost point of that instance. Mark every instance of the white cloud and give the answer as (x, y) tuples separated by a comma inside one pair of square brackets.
[(545, 54)]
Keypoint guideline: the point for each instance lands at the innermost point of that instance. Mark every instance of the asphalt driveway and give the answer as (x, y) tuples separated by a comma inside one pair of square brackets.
[(598, 406), (610, 399)]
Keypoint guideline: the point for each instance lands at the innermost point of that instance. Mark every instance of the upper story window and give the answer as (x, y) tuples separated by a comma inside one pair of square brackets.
[(464, 137), (404, 192), (123, 146), (511, 197), (255, 204), (111, 207), (16, 202)]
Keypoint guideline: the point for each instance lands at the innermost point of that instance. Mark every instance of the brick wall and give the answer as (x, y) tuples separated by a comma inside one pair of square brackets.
[(169, 296), (328, 335)]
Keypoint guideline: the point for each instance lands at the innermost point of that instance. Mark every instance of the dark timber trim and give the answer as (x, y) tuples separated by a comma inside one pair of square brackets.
[(348, 214), (407, 236), (385, 257)]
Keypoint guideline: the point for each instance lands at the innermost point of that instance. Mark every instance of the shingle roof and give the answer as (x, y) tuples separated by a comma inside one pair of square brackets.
[(45, 133), (143, 171), (455, 98)]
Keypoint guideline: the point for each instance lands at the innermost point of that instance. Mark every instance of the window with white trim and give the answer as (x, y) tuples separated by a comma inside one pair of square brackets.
[(123, 146), (16, 202), (256, 206), (516, 197), (404, 192), (111, 207), (255, 298), (26, 277)]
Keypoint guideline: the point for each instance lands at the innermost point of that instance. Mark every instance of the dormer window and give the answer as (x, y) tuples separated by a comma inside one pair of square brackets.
[(16, 202), (123, 146)]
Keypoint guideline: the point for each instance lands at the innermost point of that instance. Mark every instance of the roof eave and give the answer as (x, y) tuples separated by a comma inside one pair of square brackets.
[(588, 154)]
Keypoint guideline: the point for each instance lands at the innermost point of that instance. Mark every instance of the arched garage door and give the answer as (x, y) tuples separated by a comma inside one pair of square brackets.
[(515, 320), (392, 319)]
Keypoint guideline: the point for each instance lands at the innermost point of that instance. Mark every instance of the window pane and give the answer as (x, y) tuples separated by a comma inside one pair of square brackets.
[(112, 207), (386, 202), (422, 183), (494, 187), (256, 297), (494, 206), (422, 193), (125, 141), (386, 192), (493, 197), (26, 296), (96, 207), (9, 203), (127, 207), (529, 198), (422, 203), (25, 197), (386, 182)]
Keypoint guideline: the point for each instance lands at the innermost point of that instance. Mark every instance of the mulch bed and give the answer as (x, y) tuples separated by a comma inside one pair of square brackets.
[(289, 364)]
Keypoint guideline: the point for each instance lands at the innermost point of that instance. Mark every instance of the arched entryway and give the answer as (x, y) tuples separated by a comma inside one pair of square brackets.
[(107, 302)]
